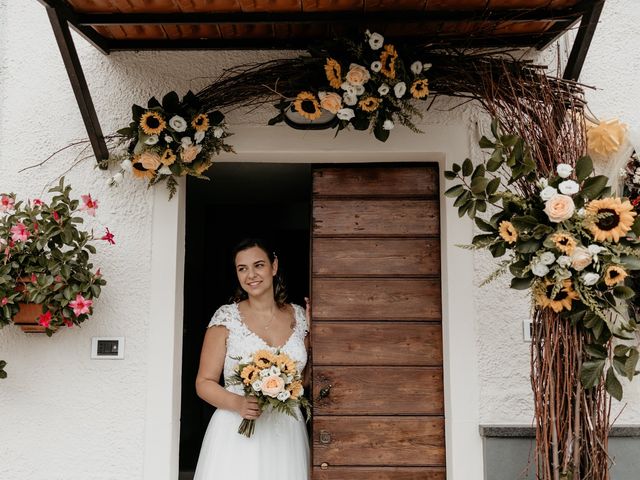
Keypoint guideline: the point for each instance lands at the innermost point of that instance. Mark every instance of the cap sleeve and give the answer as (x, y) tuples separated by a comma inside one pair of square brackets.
[(223, 316), (301, 319)]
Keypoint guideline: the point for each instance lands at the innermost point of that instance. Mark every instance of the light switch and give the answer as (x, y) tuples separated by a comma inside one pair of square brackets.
[(107, 348)]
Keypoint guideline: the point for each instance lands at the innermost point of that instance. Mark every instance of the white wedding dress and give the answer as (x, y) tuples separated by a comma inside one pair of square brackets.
[(279, 446)]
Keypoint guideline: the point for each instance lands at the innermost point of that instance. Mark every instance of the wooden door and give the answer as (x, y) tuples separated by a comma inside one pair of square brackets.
[(377, 336)]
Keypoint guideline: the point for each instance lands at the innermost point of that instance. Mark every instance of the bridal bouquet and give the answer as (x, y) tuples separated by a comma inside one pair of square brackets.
[(274, 380)]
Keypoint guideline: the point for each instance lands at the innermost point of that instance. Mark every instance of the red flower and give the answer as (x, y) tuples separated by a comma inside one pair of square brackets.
[(108, 237), (56, 216), (34, 279), (36, 202), (635, 201), (67, 322), (98, 273), (4, 301), (45, 319)]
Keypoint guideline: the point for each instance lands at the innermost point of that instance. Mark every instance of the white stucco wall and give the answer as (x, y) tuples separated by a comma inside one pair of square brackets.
[(64, 416)]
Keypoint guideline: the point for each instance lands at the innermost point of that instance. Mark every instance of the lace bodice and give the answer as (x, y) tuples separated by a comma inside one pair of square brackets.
[(242, 343)]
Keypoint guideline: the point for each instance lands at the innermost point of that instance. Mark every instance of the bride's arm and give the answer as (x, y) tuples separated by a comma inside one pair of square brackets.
[(211, 366)]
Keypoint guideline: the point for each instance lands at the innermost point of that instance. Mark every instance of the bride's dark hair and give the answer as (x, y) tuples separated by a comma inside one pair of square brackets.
[(279, 288)]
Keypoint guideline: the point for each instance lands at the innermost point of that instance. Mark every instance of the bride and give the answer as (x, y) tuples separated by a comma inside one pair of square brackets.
[(258, 319)]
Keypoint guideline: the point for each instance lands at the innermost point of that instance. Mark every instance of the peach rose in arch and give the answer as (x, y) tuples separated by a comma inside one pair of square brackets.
[(272, 385)]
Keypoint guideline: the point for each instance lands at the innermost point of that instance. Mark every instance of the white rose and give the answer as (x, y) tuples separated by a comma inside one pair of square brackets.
[(164, 170), (199, 136), (569, 187), (168, 138), (388, 125), (564, 261), (186, 141), (126, 165), (152, 140), (564, 170), (178, 123), (117, 178), (218, 132), (547, 258), (399, 89), (346, 114), (376, 66), (274, 370), (426, 66), (264, 373), (283, 396), (349, 100), (559, 208), (543, 182), (257, 385), (359, 90), (416, 67), (376, 41), (539, 269), (590, 278), (547, 192), (595, 249), (580, 259), (348, 88), (383, 89), (582, 212)]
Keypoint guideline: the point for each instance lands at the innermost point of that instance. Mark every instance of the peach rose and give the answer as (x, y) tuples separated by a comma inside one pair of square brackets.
[(150, 160), (330, 101), (559, 208), (190, 153), (581, 259), (272, 385), (357, 75)]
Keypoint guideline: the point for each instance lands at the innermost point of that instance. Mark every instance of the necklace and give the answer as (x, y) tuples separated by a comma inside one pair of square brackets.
[(268, 323)]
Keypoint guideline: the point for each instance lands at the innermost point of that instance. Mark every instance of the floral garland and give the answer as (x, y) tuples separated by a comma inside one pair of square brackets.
[(169, 139), (568, 241), (374, 92)]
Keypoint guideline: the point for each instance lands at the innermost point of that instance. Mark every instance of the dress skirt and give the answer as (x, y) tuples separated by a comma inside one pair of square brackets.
[(277, 450)]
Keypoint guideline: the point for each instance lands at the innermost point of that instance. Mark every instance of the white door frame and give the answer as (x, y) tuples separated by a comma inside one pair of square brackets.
[(442, 144)]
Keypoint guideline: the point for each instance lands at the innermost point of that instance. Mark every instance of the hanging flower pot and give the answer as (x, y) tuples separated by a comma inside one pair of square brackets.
[(305, 112), (27, 318)]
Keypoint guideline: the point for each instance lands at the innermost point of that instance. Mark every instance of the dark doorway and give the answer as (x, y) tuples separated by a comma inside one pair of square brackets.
[(242, 199)]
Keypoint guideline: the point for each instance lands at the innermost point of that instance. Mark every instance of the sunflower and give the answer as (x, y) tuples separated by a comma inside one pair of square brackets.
[(285, 363), (307, 105), (561, 301), (614, 274), (611, 218), (295, 388), (200, 169), (138, 169), (420, 88), (508, 232), (369, 104), (263, 358), (200, 123), (388, 61), (152, 122), (334, 72), (168, 157), (249, 373), (564, 242)]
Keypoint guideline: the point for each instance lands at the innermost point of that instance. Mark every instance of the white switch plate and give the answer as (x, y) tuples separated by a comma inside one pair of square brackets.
[(114, 348), (527, 325)]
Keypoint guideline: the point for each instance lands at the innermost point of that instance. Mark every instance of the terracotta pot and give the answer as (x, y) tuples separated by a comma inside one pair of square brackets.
[(27, 318)]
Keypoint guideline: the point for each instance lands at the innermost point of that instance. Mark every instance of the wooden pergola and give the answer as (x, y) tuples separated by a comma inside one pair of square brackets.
[(124, 25)]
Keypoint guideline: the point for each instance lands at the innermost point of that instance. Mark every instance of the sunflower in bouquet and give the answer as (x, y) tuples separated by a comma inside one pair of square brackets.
[(275, 381)]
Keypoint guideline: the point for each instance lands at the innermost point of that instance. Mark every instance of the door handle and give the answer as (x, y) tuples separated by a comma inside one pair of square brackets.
[(324, 392), (325, 437)]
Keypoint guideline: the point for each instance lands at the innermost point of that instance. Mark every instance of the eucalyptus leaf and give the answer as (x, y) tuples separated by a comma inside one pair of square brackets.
[(612, 384), (454, 191), (591, 373), (584, 168), (467, 167)]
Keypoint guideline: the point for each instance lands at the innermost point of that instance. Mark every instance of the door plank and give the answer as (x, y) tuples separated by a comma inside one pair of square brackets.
[(375, 217), (378, 181), (414, 441), (379, 473), (390, 257), (377, 299), (370, 343), (378, 391)]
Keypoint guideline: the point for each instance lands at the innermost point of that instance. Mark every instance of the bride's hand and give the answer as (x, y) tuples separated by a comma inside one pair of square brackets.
[(308, 310), (248, 407)]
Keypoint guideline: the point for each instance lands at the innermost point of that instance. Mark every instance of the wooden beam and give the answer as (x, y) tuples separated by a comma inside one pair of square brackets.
[(583, 41), (78, 81)]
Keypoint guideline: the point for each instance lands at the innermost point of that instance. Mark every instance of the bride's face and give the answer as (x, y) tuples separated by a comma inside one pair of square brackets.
[(255, 271)]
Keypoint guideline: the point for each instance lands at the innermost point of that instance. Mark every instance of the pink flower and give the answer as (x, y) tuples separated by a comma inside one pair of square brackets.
[(80, 305), (108, 237), (67, 322), (58, 279), (34, 279), (19, 232), (6, 203), (90, 205), (56, 216), (45, 319), (4, 301), (36, 202), (98, 273)]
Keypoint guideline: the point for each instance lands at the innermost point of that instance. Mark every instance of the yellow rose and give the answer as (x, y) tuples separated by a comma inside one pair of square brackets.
[(357, 75), (272, 385), (559, 208), (580, 259), (149, 160), (330, 101), (606, 137), (190, 153)]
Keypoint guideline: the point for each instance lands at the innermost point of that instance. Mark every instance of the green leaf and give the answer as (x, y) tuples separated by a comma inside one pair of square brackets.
[(494, 127), (381, 133), (593, 186), (498, 249), (136, 112), (612, 384), (496, 159), (596, 351), (467, 167), (621, 350), (509, 140), (529, 246), (584, 168), (486, 143), (277, 119), (455, 167), (450, 175), (484, 226), (493, 185), (171, 102), (636, 226), (478, 172), (630, 262), (478, 185), (623, 292), (521, 283), (462, 199), (525, 222), (454, 191), (591, 373), (630, 364)]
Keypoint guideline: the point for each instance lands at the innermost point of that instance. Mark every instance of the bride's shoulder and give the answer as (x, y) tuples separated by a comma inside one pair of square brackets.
[(223, 315)]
